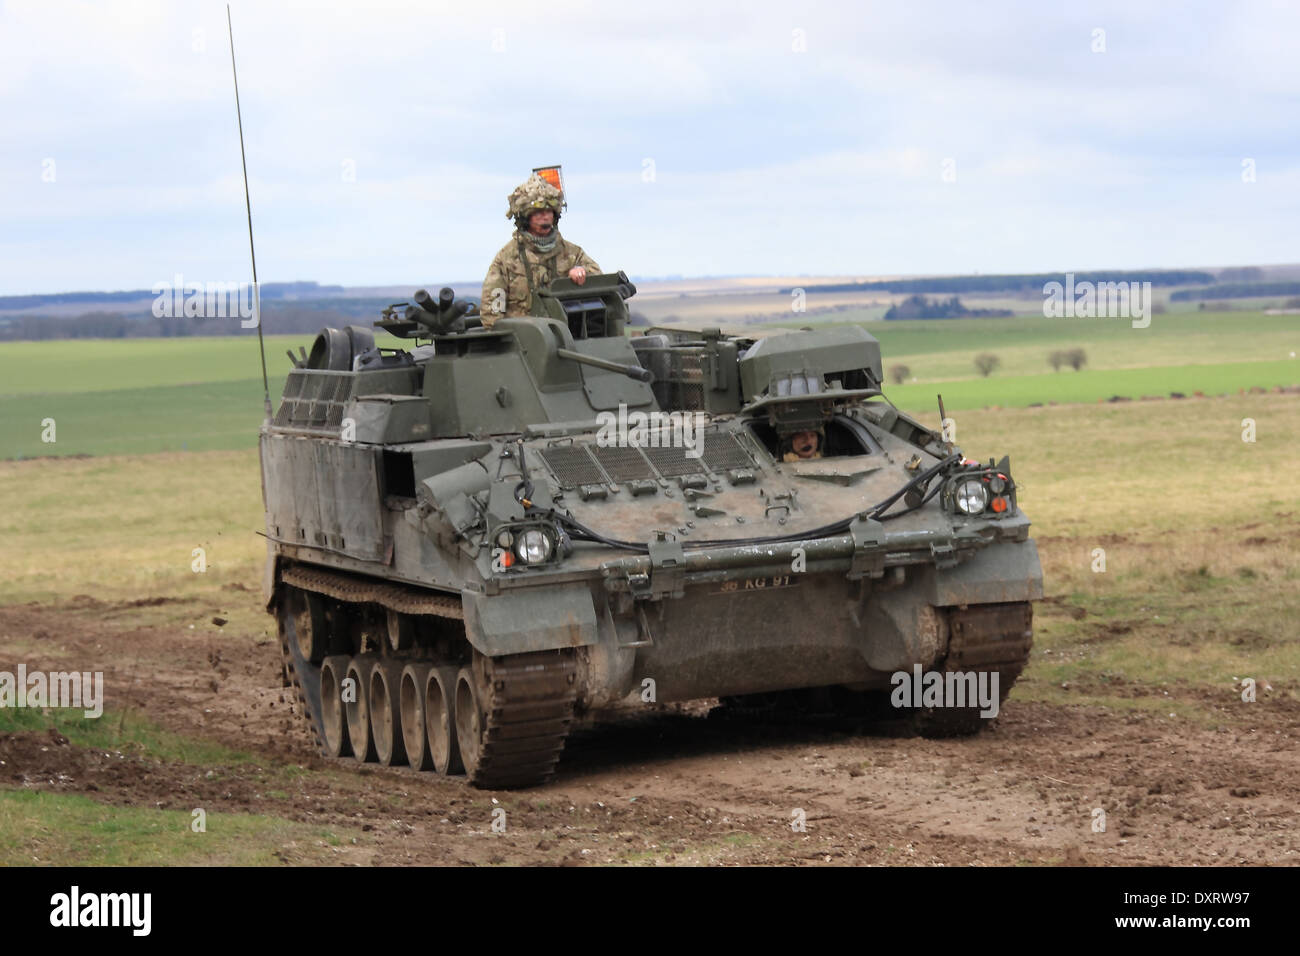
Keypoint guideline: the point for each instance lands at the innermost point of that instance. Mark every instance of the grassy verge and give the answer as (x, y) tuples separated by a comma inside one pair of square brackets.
[(124, 732), (69, 830), (63, 538)]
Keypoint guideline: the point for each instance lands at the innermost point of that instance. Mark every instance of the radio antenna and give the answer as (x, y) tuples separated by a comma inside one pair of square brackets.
[(248, 205)]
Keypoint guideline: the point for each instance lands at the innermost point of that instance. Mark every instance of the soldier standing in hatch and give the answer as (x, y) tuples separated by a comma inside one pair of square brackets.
[(534, 257)]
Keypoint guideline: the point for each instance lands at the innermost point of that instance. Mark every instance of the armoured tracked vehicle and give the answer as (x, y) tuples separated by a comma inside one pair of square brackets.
[(478, 538)]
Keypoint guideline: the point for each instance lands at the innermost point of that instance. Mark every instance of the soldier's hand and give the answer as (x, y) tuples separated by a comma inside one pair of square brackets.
[(578, 274)]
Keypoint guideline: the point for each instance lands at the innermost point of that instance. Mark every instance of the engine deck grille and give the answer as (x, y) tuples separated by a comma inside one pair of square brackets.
[(723, 451), (572, 465), (623, 464), (672, 462), (590, 464)]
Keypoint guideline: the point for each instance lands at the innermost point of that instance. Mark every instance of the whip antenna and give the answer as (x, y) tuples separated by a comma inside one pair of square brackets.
[(248, 205)]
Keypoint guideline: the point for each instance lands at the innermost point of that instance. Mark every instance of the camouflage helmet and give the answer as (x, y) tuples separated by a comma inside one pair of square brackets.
[(532, 196)]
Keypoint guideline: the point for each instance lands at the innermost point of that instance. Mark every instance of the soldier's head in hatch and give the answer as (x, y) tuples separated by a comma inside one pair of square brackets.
[(806, 444)]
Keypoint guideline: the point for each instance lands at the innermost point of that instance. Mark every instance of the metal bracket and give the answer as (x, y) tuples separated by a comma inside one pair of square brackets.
[(767, 512), (944, 554), (667, 570), (643, 636), (868, 549)]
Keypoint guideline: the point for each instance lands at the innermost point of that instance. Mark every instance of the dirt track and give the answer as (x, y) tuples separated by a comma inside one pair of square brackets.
[(678, 788)]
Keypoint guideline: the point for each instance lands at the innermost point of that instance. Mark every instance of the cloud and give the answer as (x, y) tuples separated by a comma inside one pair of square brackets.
[(382, 139)]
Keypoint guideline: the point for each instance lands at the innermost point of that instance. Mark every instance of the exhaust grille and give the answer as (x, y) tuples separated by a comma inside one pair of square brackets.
[(672, 462), (572, 465), (724, 451), (587, 464), (623, 464)]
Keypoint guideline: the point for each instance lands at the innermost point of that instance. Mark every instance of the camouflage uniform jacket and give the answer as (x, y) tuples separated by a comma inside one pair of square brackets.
[(507, 272)]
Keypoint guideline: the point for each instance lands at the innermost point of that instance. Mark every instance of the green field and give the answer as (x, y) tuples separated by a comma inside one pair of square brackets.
[(1091, 386), (937, 350), (205, 394), (101, 365)]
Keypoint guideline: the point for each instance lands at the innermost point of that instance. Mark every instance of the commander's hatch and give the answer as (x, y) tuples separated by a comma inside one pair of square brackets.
[(595, 309)]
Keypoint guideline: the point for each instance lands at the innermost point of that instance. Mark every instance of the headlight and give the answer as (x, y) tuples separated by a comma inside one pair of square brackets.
[(971, 496), (533, 547)]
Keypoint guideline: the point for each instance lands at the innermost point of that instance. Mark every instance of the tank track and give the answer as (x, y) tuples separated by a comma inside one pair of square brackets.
[(395, 597), (527, 700), (528, 706), (296, 671), (984, 637)]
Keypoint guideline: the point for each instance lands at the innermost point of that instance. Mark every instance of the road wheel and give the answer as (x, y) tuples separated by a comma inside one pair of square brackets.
[(334, 727), (356, 689), (385, 713), (470, 720), (440, 719), (415, 738)]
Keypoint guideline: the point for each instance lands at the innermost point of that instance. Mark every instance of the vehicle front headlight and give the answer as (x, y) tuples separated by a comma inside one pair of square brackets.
[(534, 546), (971, 497)]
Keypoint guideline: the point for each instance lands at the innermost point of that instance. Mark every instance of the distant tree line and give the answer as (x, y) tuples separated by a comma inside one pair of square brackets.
[(919, 307), (1010, 283), (270, 290), (1241, 274), (278, 318), (1235, 290)]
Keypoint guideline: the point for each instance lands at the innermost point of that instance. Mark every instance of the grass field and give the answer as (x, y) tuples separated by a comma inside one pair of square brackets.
[(205, 394), (72, 830), (938, 350)]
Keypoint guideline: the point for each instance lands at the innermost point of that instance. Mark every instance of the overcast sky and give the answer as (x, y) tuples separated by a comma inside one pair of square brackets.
[(766, 138)]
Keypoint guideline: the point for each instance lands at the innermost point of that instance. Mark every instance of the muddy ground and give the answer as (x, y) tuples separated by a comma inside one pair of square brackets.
[(677, 787)]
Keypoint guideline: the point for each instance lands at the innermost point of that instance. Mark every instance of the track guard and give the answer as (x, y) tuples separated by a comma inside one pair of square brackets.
[(530, 619)]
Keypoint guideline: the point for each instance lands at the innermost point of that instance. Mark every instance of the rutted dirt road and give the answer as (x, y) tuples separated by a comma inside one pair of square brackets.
[(677, 787)]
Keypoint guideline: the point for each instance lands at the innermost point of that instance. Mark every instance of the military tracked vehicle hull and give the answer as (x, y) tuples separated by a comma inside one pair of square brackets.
[(471, 545)]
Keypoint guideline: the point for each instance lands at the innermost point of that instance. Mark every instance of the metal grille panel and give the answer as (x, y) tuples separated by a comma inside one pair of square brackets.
[(723, 450), (314, 400), (623, 463), (672, 462), (687, 379), (688, 365), (572, 465)]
